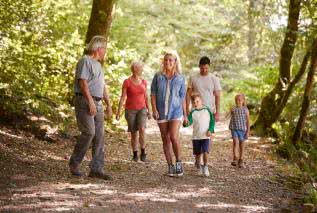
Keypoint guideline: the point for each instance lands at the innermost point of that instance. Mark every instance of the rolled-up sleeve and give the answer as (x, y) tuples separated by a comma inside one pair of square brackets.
[(217, 84), (82, 70), (154, 85)]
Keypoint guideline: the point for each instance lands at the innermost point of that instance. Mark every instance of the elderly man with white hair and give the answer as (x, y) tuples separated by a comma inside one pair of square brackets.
[(90, 90)]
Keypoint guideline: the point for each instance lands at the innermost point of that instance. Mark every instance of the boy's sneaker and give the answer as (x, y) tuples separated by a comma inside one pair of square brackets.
[(171, 170), (179, 168), (200, 170), (143, 157), (205, 170)]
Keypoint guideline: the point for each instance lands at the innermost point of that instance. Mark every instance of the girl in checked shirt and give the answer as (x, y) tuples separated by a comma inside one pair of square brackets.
[(240, 128)]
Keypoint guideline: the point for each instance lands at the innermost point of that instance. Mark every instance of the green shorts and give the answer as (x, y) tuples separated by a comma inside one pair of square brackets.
[(136, 119)]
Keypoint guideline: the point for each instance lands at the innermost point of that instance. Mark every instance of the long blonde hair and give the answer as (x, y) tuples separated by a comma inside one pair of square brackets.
[(243, 97), (178, 67)]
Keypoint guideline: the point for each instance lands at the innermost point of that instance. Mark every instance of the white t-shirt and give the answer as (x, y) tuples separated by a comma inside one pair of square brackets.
[(203, 121), (205, 85)]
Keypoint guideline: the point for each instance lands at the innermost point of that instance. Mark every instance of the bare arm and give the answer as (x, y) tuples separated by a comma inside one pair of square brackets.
[(107, 100), (188, 96), (248, 124), (217, 101), (185, 112), (121, 102), (85, 91), (154, 109), (147, 105)]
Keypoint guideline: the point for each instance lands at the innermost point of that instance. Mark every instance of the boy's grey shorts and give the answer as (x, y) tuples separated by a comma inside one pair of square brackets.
[(136, 119)]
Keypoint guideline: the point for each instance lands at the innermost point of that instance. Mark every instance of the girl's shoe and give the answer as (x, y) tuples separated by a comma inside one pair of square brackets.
[(234, 162), (240, 163), (205, 170)]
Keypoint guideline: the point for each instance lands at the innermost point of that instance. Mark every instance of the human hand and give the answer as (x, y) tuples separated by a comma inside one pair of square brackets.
[(247, 134), (155, 114), (109, 111), (149, 116), (92, 108), (217, 116), (185, 122), (209, 134)]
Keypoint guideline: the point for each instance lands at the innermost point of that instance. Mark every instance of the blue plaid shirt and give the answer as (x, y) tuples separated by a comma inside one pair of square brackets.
[(176, 98), (238, 119)]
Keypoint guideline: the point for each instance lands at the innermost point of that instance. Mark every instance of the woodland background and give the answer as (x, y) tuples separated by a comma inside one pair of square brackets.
[(266, 49)]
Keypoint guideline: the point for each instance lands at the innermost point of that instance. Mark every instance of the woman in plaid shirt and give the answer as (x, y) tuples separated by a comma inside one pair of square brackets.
[(240, 127)]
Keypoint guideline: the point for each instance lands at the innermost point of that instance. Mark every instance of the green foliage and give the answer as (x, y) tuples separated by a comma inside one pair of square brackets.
[(40, 44), (286, 150), (39, 51), (311, 196)]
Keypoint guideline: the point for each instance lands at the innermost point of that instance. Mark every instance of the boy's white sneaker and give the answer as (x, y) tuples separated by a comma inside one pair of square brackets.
[(200, 170), (205, 170)]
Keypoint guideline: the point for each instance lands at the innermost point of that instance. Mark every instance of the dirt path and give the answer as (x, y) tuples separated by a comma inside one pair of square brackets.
[(35, 178)]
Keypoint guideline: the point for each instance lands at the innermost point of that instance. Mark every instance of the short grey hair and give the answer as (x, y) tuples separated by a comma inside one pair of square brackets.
[(95, 43), (134, 64)]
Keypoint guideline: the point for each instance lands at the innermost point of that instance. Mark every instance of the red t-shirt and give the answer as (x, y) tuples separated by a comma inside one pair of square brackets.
[(135, 94)]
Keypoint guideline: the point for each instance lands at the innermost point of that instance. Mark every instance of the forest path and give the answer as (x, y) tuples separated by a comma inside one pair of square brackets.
[(39, 180)]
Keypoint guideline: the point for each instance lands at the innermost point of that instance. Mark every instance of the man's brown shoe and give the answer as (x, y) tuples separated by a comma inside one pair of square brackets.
[(75, 171), (100, 175)]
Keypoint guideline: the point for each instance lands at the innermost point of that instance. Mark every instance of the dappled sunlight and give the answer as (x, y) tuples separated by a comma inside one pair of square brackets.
[(150, 196), (10, 135), (253, 139), (247, 208), (194, 192), (52, 155)]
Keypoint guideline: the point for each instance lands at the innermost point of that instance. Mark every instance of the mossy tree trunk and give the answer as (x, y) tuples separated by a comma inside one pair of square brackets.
[(307, 96), (273, 103)]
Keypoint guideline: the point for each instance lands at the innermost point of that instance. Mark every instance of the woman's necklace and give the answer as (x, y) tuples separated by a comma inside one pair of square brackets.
[(135, 79)]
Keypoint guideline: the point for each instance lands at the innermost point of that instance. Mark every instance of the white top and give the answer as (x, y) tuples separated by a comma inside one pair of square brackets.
[(167, 96), (205, 86), (203, 121)]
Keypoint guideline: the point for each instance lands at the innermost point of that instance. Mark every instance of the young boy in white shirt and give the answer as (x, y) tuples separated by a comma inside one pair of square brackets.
[(203, 126)]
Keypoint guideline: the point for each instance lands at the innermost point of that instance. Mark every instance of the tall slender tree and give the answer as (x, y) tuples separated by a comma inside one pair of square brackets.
[(307, 95), (272, 103), (251, 31), (100, 19)]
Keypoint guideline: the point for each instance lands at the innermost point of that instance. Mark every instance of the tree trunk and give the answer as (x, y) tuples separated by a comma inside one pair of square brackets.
[(274, 99), (100, 19), (251, 31), (307, 95)]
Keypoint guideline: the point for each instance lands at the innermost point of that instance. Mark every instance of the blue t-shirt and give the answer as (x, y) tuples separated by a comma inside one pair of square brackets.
[(90, 70)]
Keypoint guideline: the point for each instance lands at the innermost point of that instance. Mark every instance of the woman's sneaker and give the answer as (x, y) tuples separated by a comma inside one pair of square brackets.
[(143, 157), (171, 170), (205, 170), (179, 168), (135, 158)]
